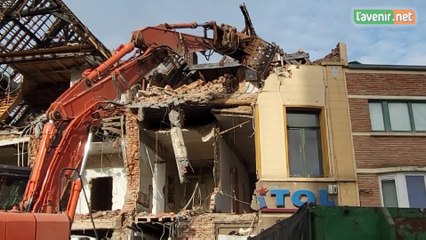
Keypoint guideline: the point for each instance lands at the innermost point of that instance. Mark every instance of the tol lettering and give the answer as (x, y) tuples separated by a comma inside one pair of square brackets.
[(298, 198)]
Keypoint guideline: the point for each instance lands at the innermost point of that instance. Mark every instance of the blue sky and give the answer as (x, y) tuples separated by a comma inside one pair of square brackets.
[(315, 26)]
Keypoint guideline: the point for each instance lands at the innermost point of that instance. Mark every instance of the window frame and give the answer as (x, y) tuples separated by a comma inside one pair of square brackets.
[(400, 186), (386, 116), (323, 138)]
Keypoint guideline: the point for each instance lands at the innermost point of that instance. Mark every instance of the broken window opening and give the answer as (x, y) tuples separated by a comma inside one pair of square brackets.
[(208, 186), (101, 194), (236, 150), (13, 181), (198, 189), (16, 154)]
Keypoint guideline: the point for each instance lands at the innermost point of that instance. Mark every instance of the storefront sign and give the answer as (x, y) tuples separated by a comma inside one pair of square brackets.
[(298, 197)]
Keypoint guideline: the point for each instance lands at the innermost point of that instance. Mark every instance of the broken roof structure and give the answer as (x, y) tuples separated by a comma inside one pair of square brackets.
[(41, 43), (43, 48)]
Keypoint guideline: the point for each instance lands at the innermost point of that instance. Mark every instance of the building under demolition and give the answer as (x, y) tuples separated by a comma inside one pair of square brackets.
[(44, 48), (214, 150)]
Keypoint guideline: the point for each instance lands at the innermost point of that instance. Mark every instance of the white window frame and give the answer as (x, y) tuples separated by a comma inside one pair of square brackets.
[(400, 185)]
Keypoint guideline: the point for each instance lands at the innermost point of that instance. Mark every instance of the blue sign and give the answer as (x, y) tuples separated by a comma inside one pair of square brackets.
[(298, 198)]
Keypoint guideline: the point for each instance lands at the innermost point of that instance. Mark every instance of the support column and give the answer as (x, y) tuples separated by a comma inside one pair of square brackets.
[(158, 186)]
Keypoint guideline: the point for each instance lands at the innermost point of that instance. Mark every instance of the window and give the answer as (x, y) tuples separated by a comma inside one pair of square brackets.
[(101, 194), (304, 144), (403, 190), (397, 116)]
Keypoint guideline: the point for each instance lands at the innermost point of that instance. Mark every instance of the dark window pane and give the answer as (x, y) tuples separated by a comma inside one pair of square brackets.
[(389, 193), (302, 119), (295, 152), (399, 117), (313, 153), (11, 191), (376, 116), (416, 191), (305, 152), (419, 114)]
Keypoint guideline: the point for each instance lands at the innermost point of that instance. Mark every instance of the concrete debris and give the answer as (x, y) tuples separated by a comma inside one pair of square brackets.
[(180, 152), (161, 217), (240, 110), (147, 214), (175, 118), (196, 92), (99, 215), (299, 57), (178, 143), (203, 226)]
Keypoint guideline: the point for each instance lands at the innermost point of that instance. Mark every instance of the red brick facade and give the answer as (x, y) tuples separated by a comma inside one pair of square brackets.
[(132, 161), (205, 226), (387, 150), (369, 193), (386, 84), (360, 116)]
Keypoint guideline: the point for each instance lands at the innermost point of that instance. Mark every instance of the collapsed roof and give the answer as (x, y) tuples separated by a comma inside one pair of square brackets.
[(42, 41)]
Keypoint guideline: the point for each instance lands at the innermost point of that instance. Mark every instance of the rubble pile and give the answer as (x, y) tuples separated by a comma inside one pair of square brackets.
[(99, 215), (196, 92)]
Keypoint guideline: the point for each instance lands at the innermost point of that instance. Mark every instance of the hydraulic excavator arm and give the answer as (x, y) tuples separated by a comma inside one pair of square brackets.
[(71, 118), (62, 153), (248, 49)]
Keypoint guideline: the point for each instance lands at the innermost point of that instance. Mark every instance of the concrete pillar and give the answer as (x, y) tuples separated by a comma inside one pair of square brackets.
[(158, 185), (178, 143)]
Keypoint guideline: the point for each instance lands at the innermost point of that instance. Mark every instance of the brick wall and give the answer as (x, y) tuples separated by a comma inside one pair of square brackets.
[(382, 151), (389, 151), (131, 161), (203, 226), (369, 191), (33, 149), (360, 115), (389, 84)]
